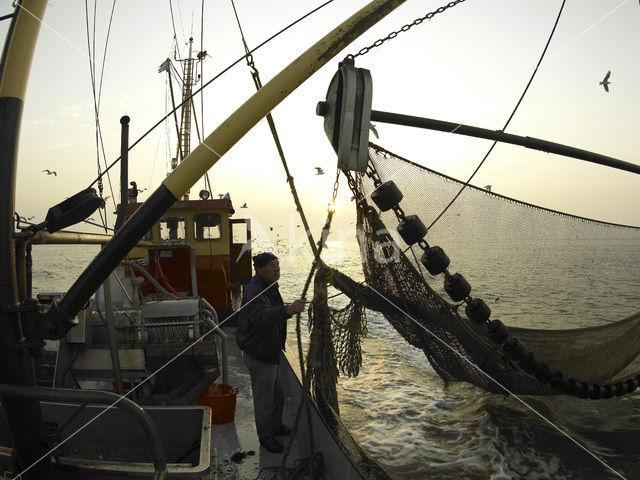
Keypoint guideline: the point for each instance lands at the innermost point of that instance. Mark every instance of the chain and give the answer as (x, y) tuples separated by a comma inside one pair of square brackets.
[(417, 21), (335, 188), (351, 182)]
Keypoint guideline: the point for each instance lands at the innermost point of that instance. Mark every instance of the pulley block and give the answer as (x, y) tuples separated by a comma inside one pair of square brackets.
[(386, 196), (477, 310), (457, 288), (498, 332), (435, 260), (347, 115), (72, 210), (411, 229)]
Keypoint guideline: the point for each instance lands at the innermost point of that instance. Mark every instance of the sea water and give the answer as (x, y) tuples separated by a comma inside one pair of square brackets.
[(417, 427)]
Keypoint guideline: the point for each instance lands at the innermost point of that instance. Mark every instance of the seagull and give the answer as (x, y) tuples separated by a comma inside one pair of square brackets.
[(487, 188), (605, 81), (319, 171), (50, 172), (372, 127), (244, 206)]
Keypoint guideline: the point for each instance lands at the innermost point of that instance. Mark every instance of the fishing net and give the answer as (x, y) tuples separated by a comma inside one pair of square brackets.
[(566, 286)]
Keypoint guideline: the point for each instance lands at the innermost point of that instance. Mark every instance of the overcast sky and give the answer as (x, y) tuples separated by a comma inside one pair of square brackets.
[(469, 64)]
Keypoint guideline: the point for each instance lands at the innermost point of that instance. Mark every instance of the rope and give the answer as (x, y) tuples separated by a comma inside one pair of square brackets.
[(306, 373), (255, 74), (544, 51), (225, 70), (91, 49), (173, 24)]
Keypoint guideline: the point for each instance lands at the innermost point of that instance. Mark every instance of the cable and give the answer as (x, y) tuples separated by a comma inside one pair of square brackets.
[(91, 47), (225, 70), (544, 51)]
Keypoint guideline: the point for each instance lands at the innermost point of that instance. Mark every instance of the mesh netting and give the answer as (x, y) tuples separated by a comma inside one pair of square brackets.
[(535, 267)]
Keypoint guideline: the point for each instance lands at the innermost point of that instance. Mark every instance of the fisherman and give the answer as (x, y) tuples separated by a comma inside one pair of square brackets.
[(261, 333)]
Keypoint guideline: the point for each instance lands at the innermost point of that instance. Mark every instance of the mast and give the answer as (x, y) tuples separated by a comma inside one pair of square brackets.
[(184, 134), (213, 148)]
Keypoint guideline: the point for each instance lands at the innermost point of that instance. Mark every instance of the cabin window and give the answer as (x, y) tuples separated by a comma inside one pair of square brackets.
[(173, 228), (207, 226), (240, 233)]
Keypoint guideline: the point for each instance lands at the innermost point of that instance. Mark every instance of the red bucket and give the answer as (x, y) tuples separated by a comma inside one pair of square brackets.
[(221, 398)]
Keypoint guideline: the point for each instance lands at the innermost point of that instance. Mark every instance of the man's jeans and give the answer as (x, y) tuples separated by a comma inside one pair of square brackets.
[(268, 398)]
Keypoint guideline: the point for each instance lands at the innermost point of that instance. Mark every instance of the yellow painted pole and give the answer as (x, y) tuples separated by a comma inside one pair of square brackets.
[(21, 48), (71, 238), (271, 94)]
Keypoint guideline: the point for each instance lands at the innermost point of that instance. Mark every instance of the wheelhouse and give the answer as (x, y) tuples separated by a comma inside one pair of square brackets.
[(201, 251)]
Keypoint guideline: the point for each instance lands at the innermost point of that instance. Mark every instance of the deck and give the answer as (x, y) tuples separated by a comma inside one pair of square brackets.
[(236, 452)]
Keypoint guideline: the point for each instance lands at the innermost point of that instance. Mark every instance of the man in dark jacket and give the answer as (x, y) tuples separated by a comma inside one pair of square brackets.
[(261, 334)]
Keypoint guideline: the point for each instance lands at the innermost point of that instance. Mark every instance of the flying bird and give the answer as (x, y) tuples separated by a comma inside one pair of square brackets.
[(244, 206), (50, 172), (605, 81), (319, 171), (372, 127)]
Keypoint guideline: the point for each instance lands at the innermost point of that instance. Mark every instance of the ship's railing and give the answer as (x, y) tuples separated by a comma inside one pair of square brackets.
[(84, 397)]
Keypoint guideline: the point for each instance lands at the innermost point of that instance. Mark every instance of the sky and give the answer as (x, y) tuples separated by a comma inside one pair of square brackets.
[(469, 64)]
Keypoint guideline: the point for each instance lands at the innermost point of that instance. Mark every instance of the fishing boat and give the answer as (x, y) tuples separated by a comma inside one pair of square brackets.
[(179, 287), (182, 278)]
